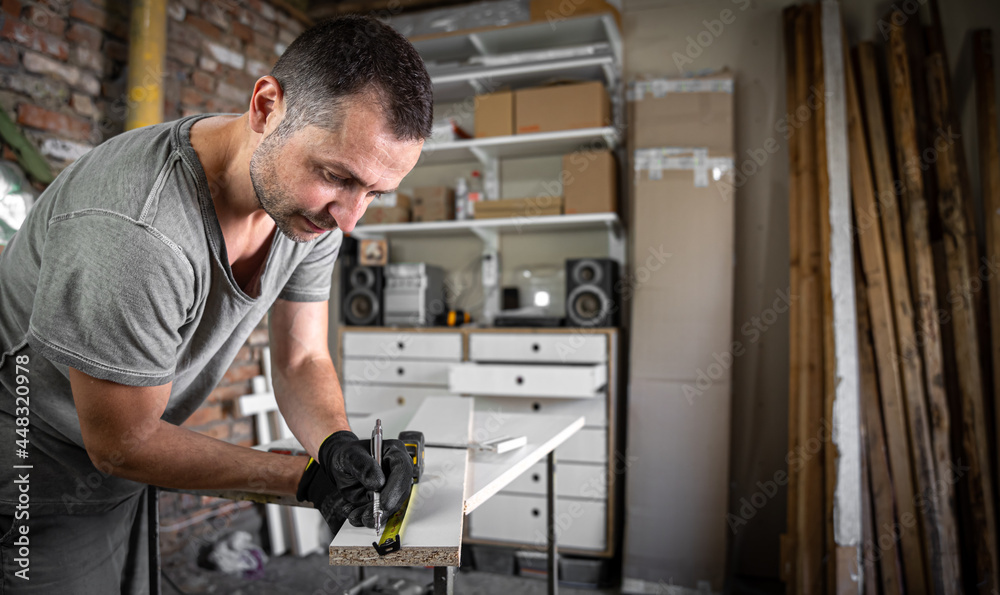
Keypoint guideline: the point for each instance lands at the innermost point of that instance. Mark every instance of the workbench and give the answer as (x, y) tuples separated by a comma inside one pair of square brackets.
[(455, 482)]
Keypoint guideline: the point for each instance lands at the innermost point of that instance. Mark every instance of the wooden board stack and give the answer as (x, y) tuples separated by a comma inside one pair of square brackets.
[(928, 314)]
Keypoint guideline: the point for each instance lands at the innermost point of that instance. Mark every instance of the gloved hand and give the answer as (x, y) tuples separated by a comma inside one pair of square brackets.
[(352, 467), (317, 487)]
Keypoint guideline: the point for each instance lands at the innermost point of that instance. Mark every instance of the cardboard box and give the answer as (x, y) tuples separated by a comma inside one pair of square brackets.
[(590, 183), (394, 199), (433, 203), (689, 112), (553, 11), (376, 215), (562, 107), (495, 114), (519, 207), (683, 242)]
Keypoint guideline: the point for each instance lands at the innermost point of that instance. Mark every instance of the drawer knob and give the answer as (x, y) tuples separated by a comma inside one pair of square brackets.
[(536, 512), (535, 346), (519, 380), (536, 406), (401, 400), (400, 345), (399, 371), (536, 477)]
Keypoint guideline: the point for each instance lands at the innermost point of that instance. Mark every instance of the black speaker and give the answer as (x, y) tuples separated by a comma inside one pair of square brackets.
[(590, 292), (361, 295)]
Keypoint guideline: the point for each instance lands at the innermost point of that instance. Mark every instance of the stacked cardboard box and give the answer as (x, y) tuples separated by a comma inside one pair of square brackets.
[(433, 203), (494, 114), (682, 350), (562, 107), (590, 182), (535, 206), (390, 208)]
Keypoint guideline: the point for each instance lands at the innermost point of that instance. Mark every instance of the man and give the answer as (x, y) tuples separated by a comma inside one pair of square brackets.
[(143, 269)]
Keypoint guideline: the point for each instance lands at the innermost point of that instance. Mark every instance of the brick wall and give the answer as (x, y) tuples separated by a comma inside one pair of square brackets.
[(63, 77)]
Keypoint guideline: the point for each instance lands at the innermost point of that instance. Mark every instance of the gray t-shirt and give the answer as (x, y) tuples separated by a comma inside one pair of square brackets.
[(121, 271)]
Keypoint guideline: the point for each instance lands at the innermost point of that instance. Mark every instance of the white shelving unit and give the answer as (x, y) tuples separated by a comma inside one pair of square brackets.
[(461, 66)]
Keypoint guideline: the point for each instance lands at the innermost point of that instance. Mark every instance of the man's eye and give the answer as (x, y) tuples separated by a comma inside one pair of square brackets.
[(376, 195), (334, 179)]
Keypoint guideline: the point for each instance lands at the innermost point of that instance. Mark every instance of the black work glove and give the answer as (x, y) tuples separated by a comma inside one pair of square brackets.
[(317, 487), (352, 467)]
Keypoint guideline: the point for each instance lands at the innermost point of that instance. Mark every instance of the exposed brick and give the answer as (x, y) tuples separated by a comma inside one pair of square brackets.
[(241, 31), (11, 9), (83, 104), (34, 62), (208, 65), (215, 14), (116, 50), (206, 414), (191, 5), (203, 81), (81, 34), (233, 93), (265, 55), (191, 96), (89, 83), (206, 28), (8, 54), (263, 9), (257, 69), (100, 18), (45, 19), (218, 105), (240, 79), (241, 372), (259, 336), (46, 91), (182, 34), (286, 37), (263, 40), (183, 53), (190, 111), (176, 11), (89, 59), (30, 37), (37, 117), (226, 55), (228, 393)]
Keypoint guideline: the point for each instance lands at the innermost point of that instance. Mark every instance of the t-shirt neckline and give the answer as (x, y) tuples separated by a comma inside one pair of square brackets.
[(182, 139)]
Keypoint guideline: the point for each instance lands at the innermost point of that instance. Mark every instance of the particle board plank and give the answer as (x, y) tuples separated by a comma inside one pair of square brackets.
[(907, 155), (843, 382), (434, 535), (787, 570), (811, 522), (883, 512), (989, 175), (941, 547), (967, 357)]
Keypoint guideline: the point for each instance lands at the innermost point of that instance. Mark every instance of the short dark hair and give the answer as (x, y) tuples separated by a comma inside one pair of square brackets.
[(354, 57)]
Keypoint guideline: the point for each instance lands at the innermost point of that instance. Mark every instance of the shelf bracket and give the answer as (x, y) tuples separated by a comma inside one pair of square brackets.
[(477, 43), (491, 172), (490, 272), (616, 242)]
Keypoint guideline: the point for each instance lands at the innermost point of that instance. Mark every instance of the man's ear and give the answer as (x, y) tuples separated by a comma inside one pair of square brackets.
[(267, 105)]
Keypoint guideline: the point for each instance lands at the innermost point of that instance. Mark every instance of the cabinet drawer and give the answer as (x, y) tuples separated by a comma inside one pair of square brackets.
[(527, 380), (594, 411), (569, 348), (369, 398), (403, 345), (589, 445), (424, 373), (522, 519), (572, 479)]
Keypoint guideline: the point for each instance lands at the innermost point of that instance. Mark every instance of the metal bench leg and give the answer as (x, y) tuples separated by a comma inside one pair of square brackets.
[(444, 580), (153, 533), (553, 561)]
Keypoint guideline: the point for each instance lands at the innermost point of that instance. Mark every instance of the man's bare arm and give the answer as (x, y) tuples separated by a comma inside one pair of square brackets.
[(124, 436), (305, 381)]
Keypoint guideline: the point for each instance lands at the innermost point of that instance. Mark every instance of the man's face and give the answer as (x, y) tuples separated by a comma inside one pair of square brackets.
[(319, 178)]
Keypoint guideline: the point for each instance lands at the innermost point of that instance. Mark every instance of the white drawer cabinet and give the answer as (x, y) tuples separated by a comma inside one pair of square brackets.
[(594, 411), (564, 348), (369, 398), (403, 372), (549, 372), (403, 345), (528, 380), (580, 524), (577, 480)]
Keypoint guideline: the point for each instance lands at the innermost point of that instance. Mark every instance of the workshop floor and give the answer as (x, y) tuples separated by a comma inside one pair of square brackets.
[(288, 575)]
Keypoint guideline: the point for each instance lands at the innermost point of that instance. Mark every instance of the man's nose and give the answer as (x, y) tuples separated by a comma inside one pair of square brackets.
[(348, 212)]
